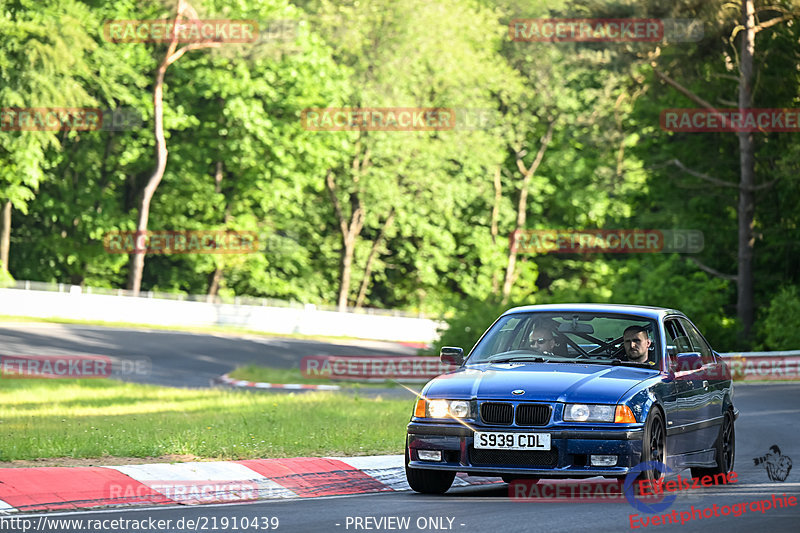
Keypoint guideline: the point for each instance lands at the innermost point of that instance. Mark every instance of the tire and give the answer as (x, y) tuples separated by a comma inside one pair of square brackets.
[(654, 445), (725, 447), (428, 481)]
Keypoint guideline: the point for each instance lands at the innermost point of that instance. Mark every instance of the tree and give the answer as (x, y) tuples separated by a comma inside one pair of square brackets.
[(389, 177), (37, 38), (241, 106), (184, 11), (747, 187), (522, 204)]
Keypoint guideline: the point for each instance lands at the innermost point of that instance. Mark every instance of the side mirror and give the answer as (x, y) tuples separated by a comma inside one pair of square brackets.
[(689, 361), (452, 355)]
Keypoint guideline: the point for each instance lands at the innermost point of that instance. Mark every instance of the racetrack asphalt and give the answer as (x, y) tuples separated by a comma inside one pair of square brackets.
[(183, 359)]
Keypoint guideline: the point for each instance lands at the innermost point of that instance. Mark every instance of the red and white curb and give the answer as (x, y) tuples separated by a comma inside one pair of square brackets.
[(263, 385), (52, 488)]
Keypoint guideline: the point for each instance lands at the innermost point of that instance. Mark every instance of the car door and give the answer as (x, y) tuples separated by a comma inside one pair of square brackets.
[(682, 409), (709, 385)]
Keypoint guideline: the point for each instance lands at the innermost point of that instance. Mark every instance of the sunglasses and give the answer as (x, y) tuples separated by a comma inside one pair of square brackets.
[(540, 341)]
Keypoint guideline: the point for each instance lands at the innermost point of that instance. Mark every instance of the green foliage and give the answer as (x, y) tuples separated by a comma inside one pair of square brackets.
[(239, 157), (780, 325), (668, 281), (467, 324), (5, 278)]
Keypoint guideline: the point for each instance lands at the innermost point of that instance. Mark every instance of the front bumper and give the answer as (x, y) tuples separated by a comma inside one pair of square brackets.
[(568, 458)]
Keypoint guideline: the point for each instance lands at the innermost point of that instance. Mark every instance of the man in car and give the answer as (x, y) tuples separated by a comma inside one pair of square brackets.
[(542, 339), (637, 343)]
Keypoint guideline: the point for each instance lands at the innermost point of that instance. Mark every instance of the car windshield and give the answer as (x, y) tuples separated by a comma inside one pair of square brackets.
[(565, 337)]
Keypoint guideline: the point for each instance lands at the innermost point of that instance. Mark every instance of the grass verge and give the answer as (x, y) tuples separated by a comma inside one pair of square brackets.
[(41, 418)]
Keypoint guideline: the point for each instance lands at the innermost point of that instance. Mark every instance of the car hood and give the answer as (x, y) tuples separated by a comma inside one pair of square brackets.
[(548, 382)]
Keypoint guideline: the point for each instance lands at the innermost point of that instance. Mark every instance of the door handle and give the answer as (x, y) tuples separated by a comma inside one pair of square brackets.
[(705, 384)]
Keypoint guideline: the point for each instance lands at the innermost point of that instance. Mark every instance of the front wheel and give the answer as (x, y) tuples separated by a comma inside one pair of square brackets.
[(428, 481), (654, 446), (725, 448)]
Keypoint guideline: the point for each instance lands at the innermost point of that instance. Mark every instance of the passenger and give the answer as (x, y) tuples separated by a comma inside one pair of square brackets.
[(637, 344)]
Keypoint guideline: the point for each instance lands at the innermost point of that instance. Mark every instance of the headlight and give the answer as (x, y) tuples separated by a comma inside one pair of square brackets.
[(459, 409), (579, 412), (442, 408), (438, 408)]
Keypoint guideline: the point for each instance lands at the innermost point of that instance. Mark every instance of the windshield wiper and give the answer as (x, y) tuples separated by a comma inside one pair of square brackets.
[(531, 358), (617, 361)]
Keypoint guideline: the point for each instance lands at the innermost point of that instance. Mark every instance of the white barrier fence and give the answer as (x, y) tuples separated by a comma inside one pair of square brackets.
[(302, 319)]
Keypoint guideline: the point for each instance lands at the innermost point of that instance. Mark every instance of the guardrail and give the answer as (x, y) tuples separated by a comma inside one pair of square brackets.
[(73, 302)]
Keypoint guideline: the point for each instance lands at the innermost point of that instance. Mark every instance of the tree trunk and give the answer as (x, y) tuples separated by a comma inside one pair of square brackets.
[(346, 270), (216, 277), (137, 260), (522, 205), (349, 232), (172, 55), (744, 301), (213, 288), (373, 253), (5, 235)]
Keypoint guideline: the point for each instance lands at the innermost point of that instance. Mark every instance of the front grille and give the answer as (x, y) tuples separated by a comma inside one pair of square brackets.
[(533, 414), (497, 413), (513, 457)]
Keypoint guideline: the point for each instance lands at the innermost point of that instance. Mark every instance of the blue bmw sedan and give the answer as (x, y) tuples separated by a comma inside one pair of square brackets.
[(575, 391)]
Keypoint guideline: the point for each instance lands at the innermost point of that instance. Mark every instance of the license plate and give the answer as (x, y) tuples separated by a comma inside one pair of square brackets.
[(512, 441)]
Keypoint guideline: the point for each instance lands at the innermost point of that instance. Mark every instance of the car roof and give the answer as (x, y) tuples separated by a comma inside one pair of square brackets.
[(655, 313)]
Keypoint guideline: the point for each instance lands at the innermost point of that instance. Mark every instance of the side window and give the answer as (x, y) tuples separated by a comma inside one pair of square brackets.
[(698, 343), (677, 341)]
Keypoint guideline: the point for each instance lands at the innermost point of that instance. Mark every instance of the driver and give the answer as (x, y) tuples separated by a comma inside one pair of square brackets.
[(542, 339), (636, 343)]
